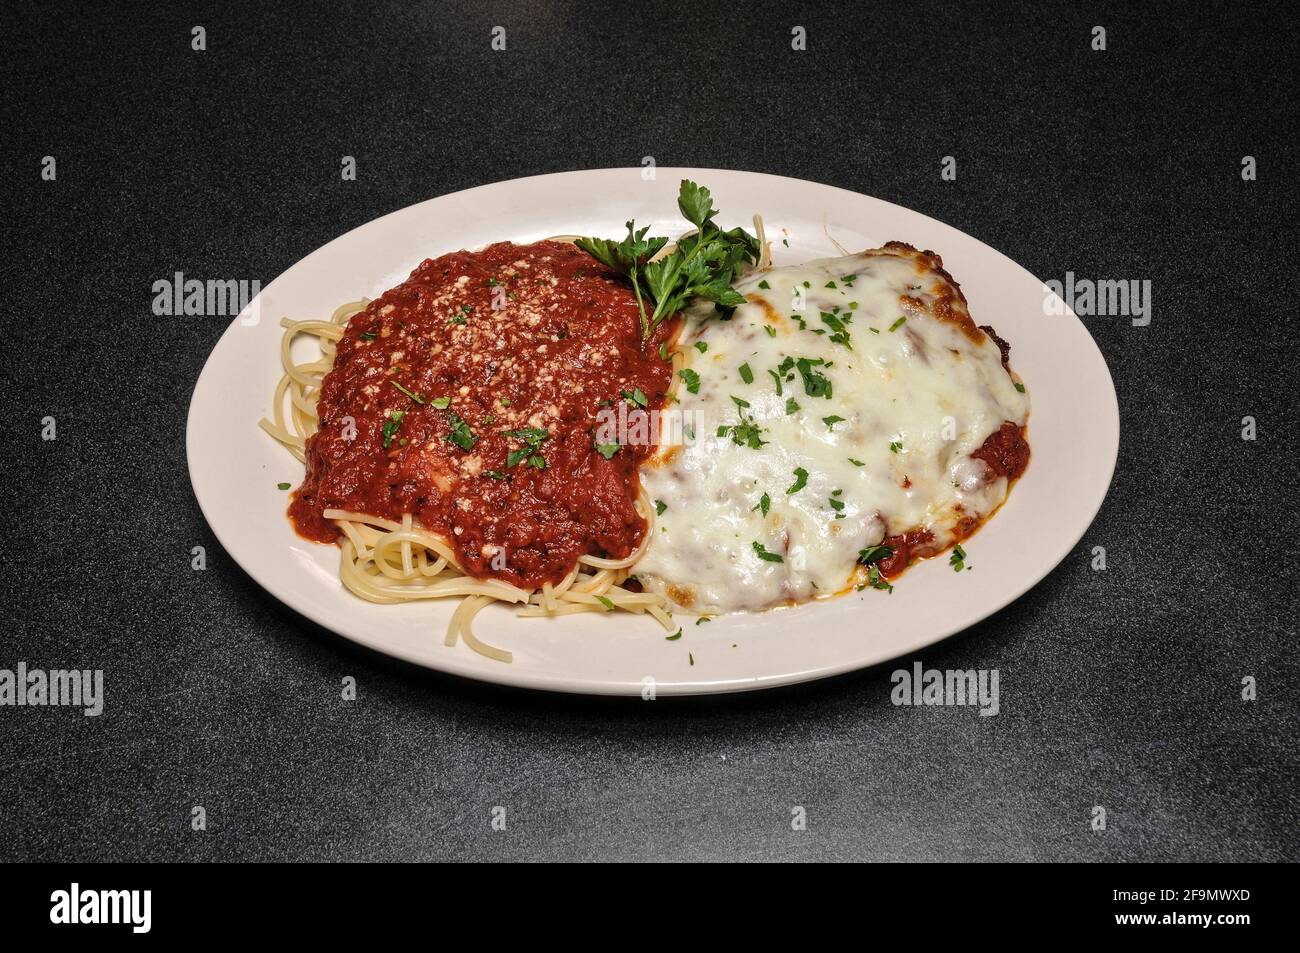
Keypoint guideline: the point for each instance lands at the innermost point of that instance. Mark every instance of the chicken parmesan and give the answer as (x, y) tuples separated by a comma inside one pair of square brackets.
[(590, 424), (856, 419)]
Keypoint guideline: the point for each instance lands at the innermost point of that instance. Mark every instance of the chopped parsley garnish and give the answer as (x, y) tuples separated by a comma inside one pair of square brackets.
[(636, 397), (660, 506), (791, 405), (831, 421), (764, 504), (411, 394), (606, 602), (532, 438), (692, 380), (958, 559), (841, 333), (460, 434), (740, 402), (457, 319), (764, 285), (607, 450), (282, 486), (390, 426), (764, 555), (877, 581), (440, 403), (746, 433), (701, 346), (873, 554), (1020, 387), (663, 351), (898, 324), (815, 384), (776, 377), (831, 284), (702, 266), (496, 474), (368, 335), (856, 463), (674, 637), (800, 480), (895, 446), (771, 331), (746, 374)]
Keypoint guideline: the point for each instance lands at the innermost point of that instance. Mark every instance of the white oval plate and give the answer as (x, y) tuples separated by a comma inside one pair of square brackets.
[(1074, 432)]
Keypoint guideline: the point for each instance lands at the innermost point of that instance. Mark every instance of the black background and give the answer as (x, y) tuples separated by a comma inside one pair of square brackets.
[(1119, 688)]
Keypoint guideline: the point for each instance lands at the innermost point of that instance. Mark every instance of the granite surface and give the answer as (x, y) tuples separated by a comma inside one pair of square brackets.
[(1120, 688)]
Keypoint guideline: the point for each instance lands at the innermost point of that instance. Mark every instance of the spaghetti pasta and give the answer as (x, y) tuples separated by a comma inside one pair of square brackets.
[(386, 562)]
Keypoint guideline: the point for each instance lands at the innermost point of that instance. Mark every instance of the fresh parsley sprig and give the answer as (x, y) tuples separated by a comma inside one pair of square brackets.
[(703, 264)]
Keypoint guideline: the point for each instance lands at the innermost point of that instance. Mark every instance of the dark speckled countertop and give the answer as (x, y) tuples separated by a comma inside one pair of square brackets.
[(1120, 688)]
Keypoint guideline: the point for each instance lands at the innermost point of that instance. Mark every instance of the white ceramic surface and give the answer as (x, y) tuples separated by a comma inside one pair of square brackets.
[(1073, 430)]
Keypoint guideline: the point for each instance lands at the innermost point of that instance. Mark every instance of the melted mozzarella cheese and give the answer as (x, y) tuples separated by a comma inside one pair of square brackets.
[(916, 387)]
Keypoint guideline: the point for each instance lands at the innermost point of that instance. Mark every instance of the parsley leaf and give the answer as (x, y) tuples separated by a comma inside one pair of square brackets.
[(815, 384), (532, 439), (460, 434), (411, 394), (703, 264), (873, 554), (390, 426)]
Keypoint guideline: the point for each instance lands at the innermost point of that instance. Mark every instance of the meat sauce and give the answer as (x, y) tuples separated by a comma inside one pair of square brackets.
[(470, 396)]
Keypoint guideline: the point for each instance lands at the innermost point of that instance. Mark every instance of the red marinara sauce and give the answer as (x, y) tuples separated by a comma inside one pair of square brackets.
[(538, 338)]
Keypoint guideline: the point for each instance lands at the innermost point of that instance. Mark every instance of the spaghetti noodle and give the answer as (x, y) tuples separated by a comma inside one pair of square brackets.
[(389, 561)]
